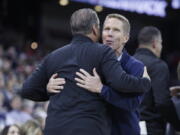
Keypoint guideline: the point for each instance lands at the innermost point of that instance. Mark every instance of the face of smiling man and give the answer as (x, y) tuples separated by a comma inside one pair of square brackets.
[(114, 35)]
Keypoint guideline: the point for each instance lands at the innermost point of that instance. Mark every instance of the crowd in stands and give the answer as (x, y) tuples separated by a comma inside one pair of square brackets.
[(17, 114)]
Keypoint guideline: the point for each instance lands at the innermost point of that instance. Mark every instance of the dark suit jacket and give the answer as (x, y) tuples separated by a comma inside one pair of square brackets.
[(124, 108), (75, 110), (157, 105)]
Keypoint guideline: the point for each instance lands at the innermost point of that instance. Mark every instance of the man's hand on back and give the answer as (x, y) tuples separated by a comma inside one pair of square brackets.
[(55, 85), (89, 82)]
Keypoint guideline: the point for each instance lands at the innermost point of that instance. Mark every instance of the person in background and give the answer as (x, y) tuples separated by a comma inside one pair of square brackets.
[(32, 127), (157, 107), (175, 93), (11, 130)]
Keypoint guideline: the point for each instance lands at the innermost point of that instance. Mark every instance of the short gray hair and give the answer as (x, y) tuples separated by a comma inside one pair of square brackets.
[(82, 21), (124, 20), (148, 34)]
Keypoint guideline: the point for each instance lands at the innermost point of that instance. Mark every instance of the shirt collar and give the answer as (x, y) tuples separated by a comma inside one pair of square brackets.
[(119, 57)]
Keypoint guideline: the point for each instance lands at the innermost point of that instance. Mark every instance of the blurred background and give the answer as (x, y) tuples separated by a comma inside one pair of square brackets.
[(33, 25), (29, 29)]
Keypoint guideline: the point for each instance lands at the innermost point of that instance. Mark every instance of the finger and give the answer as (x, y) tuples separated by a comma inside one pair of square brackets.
[(54, 91), (172, 88), (94, 72), (80, 81), (81, 85), (58, 82), (56, 88), (54, 75), (59, 79), (85, 72), (81, 75)]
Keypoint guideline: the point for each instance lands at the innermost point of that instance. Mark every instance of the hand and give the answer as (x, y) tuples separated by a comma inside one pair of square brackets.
[(145, 74), (175, 90), (55, 85), (89, 82)]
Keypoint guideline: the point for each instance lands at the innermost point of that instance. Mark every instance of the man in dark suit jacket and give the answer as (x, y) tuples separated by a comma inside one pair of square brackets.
[(123, 107), (74, 110), (157, 107)]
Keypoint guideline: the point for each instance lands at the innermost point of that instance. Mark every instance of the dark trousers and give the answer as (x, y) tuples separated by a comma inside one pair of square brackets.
[(155, 128)]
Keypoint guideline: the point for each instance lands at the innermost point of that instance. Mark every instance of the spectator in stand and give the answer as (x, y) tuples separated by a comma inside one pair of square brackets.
[(32, 127), (11, 130), (157, 107), (2, 112)]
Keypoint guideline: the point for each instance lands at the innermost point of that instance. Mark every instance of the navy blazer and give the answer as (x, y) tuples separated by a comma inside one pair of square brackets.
[(75, 110), (124, 109)]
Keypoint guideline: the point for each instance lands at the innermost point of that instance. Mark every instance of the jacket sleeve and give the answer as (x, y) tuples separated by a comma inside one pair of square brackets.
[(34, 88), (124, 101), (161, 93), (117, 78)]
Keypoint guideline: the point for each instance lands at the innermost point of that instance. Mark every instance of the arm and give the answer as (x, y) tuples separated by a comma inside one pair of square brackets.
[(34, 88), (161, 93), (175, 90), (116, 78), (55, 85), (128, 102), (125, 101), (131, 65), (93, 83)]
